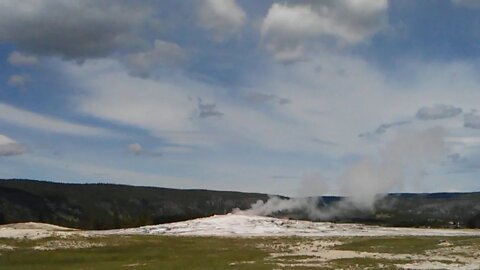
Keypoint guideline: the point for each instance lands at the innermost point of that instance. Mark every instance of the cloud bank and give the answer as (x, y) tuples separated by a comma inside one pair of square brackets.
[(72, 29)]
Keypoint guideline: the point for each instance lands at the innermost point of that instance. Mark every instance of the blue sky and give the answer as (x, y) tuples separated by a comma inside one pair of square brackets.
[(284, 97)]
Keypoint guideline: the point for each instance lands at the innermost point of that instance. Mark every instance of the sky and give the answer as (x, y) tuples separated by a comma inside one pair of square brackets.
[(283, 97)]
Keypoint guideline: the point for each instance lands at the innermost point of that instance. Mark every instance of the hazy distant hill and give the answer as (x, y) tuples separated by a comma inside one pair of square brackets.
[(103, 206), (455, 210), (430, 209)]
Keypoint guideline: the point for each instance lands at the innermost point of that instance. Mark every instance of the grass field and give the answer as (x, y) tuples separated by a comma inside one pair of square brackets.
[(162, 252)]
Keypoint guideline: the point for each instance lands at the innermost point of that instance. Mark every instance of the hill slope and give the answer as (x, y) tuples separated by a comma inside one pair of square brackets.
[(107, 206), (454, 210)]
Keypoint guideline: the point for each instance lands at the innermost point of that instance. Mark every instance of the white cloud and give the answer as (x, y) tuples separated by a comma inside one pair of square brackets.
[(326, 105), (20, 59), (9, 147), (119, 101), (288, 27), (328, 100), (224, 18), (37, 121), (17, 80), (164, 107), (162, 54)]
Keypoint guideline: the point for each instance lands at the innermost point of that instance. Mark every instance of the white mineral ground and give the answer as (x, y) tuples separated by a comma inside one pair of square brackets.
[(34, 230), (234, 225), (316, 249)]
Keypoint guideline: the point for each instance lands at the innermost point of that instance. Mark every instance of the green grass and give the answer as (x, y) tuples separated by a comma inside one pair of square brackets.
[(403, 245), (144, 251), (365, 263), (163, 252)]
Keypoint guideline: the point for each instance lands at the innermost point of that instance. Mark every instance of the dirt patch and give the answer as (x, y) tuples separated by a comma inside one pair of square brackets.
[(310, 253)]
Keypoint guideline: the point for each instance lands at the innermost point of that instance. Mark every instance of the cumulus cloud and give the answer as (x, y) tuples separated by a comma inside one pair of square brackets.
[(71, 29), (20, 59), (288, 27), (17, 80), (162, 54), (224, 18), (438, 111), (267, 98), (9, 147), (471, 120)]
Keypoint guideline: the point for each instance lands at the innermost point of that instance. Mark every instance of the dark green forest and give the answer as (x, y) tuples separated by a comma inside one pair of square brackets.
[(107, 206)]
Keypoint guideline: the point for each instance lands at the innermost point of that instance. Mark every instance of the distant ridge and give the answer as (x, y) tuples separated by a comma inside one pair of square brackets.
[(107, 206), (110, 206)]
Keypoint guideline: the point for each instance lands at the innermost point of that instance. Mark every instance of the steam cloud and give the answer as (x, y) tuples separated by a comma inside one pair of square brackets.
[(369, 179)]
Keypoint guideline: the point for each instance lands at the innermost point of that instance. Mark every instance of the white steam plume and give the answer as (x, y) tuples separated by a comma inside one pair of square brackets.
[(408, 152), (368, 179), (276, 204)]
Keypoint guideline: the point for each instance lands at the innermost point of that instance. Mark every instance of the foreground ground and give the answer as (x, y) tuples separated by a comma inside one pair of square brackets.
[(185, 252), (238, 242)]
